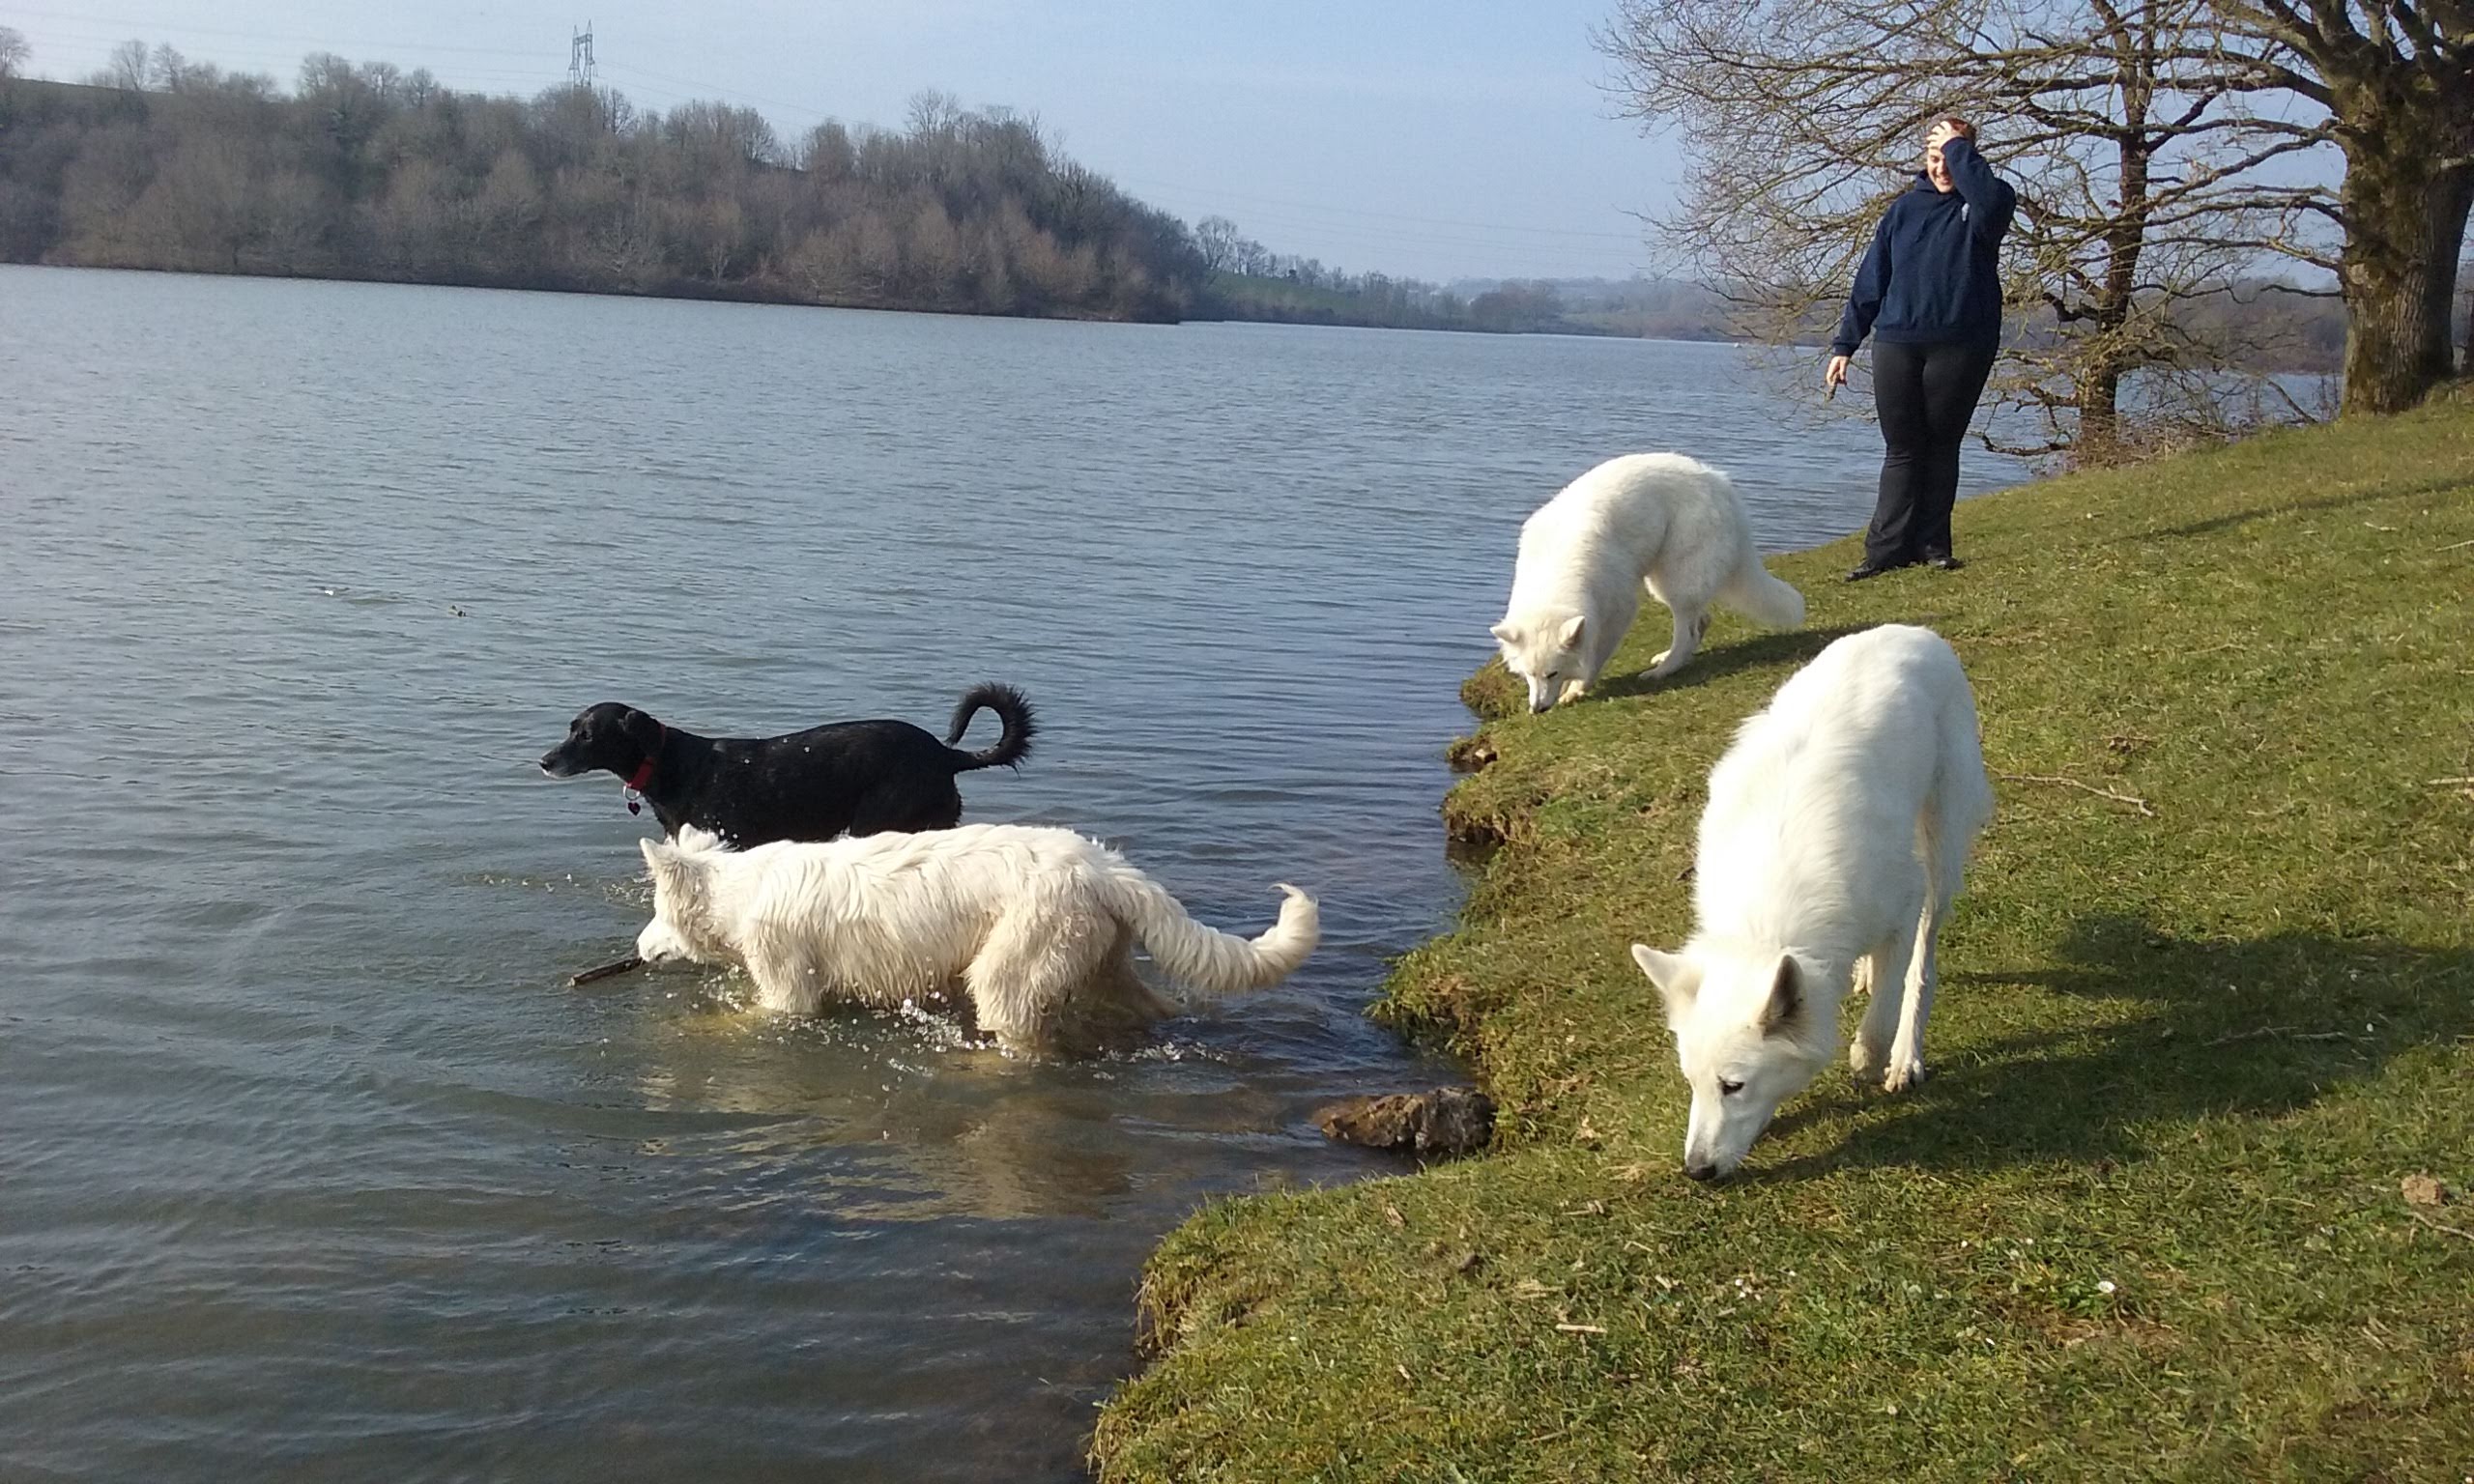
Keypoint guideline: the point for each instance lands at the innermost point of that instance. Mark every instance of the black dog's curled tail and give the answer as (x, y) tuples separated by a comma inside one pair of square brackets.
[(1013, 710)]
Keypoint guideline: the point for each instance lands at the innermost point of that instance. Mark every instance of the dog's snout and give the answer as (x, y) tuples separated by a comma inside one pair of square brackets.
[(1541, 707), (1702, 1171)]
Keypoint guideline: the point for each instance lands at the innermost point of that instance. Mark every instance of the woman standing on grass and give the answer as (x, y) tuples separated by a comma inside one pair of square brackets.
[(1929, 294)]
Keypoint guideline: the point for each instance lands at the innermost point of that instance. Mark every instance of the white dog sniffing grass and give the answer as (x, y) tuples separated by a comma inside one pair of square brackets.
[(1838, 828), (1034, 926), (1655, 521)]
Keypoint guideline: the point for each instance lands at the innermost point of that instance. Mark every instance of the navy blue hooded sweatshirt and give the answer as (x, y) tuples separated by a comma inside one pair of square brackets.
[(1931, 276)]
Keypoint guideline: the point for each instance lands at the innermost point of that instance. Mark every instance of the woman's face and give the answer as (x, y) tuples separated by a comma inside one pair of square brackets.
[(1936, 169)]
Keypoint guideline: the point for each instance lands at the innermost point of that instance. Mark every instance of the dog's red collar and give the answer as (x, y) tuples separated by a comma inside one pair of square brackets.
[(643, 773)]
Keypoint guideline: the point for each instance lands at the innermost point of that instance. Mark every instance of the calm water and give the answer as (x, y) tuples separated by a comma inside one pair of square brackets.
[(310, 1164)]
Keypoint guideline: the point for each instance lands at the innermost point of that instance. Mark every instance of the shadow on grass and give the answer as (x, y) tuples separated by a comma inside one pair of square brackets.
[(2205, 1028), (1793, 647), (2368, 497)]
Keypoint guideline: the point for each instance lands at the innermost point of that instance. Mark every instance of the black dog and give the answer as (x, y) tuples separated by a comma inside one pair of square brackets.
[(863, 776)]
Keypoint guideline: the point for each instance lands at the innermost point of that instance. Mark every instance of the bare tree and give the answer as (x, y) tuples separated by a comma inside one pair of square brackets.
[(126, 70), (708, 238), (828, 154), (2152, 186), (722, 137), (934, 111), (422, 225), (2396, 77), (296, 221), (2146, 178), (932, 258), (507, 210), (13, 52), (384, 81), (197, 212), (1217, 237)]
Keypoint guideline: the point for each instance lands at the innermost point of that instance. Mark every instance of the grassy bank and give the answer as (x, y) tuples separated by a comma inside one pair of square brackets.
[(2207, 1000)]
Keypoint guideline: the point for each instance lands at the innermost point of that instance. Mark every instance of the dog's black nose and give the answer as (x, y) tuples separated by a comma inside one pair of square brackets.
[(1702, 1171)]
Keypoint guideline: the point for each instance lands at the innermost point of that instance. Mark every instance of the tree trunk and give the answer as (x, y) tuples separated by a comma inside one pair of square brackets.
[(2100, 381), (2098, 392), (2405, 219), (2452, 197), (2455, 202)]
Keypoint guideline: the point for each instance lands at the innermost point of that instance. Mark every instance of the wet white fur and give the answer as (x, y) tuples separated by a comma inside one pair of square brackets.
[(1655, 521), (1035, 925), (1837, 829)]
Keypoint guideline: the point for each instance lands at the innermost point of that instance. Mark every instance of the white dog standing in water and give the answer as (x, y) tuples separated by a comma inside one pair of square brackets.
[(1655, 521), (1035, 925), (1838, 828)]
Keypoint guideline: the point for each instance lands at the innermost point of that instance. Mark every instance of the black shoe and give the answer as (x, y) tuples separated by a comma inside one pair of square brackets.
[(1944, 562), (1868, 567)]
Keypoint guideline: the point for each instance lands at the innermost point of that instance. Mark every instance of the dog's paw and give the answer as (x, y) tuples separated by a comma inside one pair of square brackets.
[(1573, 690), (1862, 1059), (1905, 1072)]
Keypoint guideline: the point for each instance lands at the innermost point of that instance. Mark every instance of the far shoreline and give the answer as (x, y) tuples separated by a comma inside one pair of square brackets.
[(693, 294)]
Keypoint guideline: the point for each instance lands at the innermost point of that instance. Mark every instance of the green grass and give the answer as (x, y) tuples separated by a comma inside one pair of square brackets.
[(2145, 1220)]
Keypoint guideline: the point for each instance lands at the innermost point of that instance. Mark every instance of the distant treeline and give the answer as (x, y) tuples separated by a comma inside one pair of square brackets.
[(1253, 283), (1312, 295), (369, 172), (2312, 327), (1250, 281)]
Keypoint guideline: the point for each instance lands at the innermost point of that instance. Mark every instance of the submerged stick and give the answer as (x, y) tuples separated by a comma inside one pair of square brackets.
[(619, 966)]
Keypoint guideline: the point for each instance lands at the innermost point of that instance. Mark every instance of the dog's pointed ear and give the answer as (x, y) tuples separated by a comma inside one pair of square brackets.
[(1678, 981), (668, 864), (1784, 1012), (1570, 636), (1504, 633)]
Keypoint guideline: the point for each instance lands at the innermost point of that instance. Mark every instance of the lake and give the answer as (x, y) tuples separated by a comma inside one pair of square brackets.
[(311, 1164)]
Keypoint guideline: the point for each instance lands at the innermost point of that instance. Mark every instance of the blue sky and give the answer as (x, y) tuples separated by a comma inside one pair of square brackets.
[(1435, 140)]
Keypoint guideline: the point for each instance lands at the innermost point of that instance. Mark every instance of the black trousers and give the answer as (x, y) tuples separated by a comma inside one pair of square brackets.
[(1925, 395)]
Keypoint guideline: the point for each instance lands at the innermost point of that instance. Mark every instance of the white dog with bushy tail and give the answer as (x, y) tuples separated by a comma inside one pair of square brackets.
[(1838, 828), (1655, 521), (1035, 927)]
